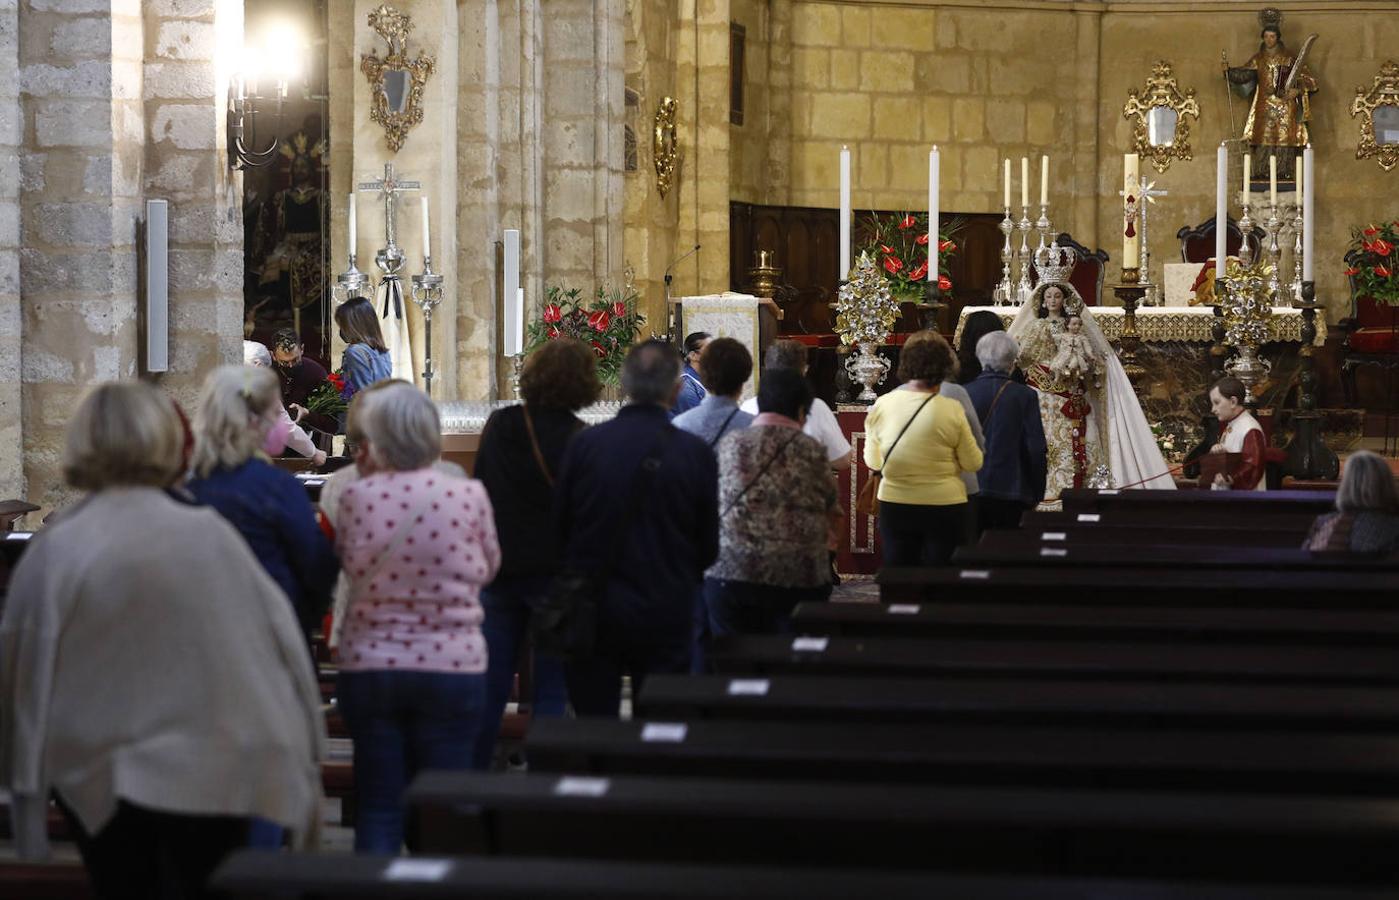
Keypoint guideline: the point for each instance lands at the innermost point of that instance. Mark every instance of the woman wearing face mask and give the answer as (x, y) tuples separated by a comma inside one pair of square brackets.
[(236, 427), (298, 441)]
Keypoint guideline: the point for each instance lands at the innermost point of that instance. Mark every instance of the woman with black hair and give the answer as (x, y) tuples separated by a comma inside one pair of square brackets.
[(691, 386), (978, 325)]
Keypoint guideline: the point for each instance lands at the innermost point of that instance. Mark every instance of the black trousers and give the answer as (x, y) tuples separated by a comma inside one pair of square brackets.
[(143, 854), (998, 513), (919, 535)]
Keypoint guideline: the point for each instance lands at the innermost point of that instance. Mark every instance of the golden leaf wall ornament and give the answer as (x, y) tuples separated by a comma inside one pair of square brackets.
[(1162, 108), (1382, 95), (396, 81), (665, 146)]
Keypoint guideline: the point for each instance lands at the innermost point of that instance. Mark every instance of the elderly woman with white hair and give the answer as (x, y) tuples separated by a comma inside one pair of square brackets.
[(238, 423), (297, 440), (153, 674), (1366, 519), (417, 546), (1012, 478)]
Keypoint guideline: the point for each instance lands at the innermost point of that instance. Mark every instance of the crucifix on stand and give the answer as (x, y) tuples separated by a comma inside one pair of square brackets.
[(1147, 192), (390, 259)]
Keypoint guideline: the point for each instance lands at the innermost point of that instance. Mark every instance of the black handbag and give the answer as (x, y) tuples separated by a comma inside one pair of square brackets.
[(564, 624)]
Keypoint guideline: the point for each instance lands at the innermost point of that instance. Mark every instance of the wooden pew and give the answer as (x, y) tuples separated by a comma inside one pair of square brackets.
[(1040, 701), (44, 881), (1209, 502), (1020, 658), (1291, 521), (1073, 833), (259, 875), (1142, 535), (1145, 586), (1080, 622), (1008, 551), (1223, 761)]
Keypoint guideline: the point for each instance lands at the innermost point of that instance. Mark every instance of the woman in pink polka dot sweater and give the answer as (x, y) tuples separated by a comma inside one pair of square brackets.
[(416, 546)]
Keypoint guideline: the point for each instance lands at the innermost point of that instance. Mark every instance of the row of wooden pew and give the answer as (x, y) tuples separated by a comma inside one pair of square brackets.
[(1182, 703)]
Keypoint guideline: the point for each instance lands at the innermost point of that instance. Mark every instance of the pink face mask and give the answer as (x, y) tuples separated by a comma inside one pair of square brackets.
[(276, 440)]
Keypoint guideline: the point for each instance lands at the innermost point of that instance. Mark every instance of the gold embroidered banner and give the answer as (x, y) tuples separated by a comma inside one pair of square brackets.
[(1161, 324)]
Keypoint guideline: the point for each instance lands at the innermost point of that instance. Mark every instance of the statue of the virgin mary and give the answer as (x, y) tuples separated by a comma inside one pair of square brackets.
[(1090, 412)]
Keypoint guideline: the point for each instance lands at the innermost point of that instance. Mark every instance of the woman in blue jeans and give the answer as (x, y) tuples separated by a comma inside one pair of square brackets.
[(416, 545), (521, 450)]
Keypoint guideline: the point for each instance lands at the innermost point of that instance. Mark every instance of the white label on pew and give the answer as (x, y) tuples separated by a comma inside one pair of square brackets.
[(809, 644), (903, 609), (19, 535), (975, 574), (313, 482), (664, 732), (749, 687), (579, 786), (1089, 517), (1053, 551), (1108, 492), (1054, 536), (417, 870)]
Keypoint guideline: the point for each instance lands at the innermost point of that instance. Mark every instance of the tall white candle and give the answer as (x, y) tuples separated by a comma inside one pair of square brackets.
[(1248, 177), (1007, 200), (1308, 208), (1273, 180), (934, 171), (1221, 209), (1024, 181), (1131, 187), (517, 324), (427, 232), (1044, 181), (353, 229), (844, 213)]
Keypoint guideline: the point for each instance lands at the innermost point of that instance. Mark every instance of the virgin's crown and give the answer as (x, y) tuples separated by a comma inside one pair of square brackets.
[(1055, 263)]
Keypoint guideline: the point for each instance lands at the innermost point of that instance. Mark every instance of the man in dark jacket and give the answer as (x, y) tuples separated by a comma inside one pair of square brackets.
[(1012, 478), (638, 498), (299, 378)]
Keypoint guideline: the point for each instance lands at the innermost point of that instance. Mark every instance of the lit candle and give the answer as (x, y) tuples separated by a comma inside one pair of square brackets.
[(353, 230), (1308, 207), (844, 213), (1131, 238), (1221, 208), (1273, 180), (934, 165), (1007, 201), (427, 233), (1044, 181), (1025, 181)]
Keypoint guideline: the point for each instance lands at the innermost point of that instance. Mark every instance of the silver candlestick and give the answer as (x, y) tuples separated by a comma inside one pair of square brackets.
[(1297, 227), (1042, 226), (427, 293), (1273, 226), (1022, 284), (349, 283), (1003, 292)]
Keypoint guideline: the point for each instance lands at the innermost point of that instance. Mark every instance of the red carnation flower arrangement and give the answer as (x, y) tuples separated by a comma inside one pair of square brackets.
[(608, 322), (899, 245), (1370, 262), (331, 397)]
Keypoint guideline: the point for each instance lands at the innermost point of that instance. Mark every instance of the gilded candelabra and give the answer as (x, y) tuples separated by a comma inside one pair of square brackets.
[(1247, 300)]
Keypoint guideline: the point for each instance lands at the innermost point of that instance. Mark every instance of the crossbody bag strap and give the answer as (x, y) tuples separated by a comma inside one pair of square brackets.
[(372, 570), (761, 472), (994, 400), (724, 427), (890, 452), (534, 445)]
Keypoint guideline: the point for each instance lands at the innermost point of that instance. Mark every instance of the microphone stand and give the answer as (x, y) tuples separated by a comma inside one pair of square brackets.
[(669, 307)]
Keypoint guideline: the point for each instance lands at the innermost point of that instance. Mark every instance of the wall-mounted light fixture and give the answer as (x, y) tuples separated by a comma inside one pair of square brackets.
[(277, 57)]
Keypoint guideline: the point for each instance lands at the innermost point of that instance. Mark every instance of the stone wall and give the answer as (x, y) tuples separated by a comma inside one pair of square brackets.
[(12, 481)]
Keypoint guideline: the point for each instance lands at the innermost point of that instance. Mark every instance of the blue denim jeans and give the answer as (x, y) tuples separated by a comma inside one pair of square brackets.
[(509, 605), (403, 723)]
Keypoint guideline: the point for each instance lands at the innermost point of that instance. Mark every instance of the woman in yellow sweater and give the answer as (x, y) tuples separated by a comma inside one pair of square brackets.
[(922, 497)]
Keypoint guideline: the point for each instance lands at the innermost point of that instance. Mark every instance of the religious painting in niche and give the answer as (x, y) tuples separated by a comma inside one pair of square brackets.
[(1378, 112), (738, 40), (285, 205), (1278, 87)]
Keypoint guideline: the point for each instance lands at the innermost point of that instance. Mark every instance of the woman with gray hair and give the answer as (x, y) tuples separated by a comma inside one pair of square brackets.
[(417, 546), (256, 355), (1012, 479), (1366, 519)]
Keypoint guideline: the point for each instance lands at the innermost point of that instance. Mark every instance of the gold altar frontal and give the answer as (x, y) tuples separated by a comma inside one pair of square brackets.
[(1164, 324)]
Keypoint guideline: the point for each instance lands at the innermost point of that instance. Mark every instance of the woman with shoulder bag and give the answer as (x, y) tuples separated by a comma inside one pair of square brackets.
[(917, 446)]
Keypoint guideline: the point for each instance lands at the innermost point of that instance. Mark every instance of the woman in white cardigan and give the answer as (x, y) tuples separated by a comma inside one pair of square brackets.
[(154, 677)]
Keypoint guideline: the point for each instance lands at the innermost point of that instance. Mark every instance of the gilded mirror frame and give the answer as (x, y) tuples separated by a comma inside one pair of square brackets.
[(1161, 90), (393, 26), (665, 145), (1383, 92)]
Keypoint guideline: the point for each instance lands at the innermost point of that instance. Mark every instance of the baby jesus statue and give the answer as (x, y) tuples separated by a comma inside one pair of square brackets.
[(1075, 357)]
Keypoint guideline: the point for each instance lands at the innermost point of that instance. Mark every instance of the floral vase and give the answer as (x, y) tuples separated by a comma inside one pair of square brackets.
[(867, 368)]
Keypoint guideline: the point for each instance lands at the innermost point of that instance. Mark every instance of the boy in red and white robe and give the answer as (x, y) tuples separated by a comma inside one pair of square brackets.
[(1240, 434)]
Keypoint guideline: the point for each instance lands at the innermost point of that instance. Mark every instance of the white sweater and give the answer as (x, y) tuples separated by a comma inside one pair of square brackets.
[(146, 656)]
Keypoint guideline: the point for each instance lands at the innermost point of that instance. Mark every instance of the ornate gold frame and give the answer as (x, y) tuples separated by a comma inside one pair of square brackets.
[(1384, 92), (665, 146), (1161, 90), (393, 26)]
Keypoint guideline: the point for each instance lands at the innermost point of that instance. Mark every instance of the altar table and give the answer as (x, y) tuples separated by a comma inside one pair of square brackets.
[(1161, 324)]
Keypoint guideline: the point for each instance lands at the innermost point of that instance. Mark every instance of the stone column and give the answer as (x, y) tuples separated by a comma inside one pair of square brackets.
[(12, 482), (702, 75), (1087, 187), (777, 187)]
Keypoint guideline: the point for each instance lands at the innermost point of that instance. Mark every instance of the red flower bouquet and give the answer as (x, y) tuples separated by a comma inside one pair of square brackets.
[(1371, 262), (899, 245), (332, 397), (609, 323)]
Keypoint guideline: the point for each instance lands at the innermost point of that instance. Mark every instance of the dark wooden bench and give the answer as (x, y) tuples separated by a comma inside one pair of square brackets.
[(1223, 761), (1290, 521), (1137, 585), (1010, 552), (44, 881), (1261, 503), (1021, 658), (1039, 701), (1072, 534), (1266, 838), (254, 875), (1080, 622)]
